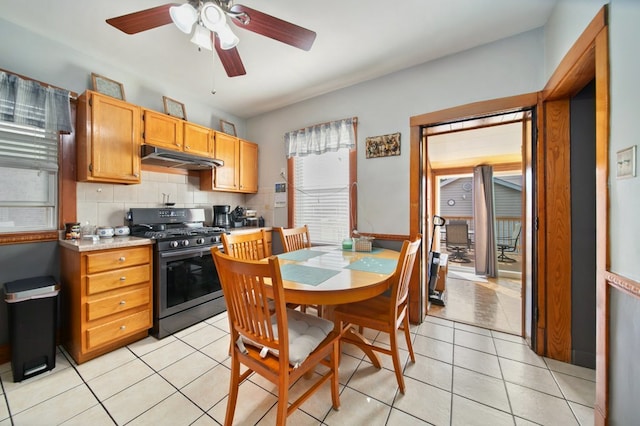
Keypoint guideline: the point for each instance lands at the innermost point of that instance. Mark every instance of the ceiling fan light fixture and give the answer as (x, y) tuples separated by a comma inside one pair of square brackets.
[(184, 17), (214, 18), (202, 37)]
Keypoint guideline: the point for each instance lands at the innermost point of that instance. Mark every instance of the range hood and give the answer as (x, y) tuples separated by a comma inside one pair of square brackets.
[(156, 156)]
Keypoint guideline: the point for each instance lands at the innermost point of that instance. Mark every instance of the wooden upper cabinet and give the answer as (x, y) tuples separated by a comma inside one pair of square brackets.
[(248, 166), (108, 139), (198, 139), (163, 130), (240, 170), (226, 149)]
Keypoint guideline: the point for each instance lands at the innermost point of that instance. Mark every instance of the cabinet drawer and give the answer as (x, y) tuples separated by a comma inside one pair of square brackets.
[(114, 304), (105, 261), (115, 330), (119, 278)]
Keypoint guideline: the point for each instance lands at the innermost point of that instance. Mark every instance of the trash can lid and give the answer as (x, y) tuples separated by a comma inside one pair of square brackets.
[(30, 288)]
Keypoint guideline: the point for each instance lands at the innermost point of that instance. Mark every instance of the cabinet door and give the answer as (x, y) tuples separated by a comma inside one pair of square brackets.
[(248, 166), (226, 149), (112, 144), (198, 140), (162, 130)]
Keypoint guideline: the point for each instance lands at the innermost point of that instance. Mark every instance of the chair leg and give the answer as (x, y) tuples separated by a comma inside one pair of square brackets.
[(395, 355), (335, 390), (233, 390), (407, 336), (283, 402)]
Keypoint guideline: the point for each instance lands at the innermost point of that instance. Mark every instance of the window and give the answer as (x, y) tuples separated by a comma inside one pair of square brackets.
[(322, 158), (321, 195), (31, 115), (28, 178)]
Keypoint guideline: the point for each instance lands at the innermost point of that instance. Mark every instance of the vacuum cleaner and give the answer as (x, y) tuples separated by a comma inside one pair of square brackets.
[(435, 297)]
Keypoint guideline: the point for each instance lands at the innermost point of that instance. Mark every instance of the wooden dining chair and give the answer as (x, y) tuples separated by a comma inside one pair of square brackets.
[(293, 239), (281, 345), (248, 246), (387, 312)]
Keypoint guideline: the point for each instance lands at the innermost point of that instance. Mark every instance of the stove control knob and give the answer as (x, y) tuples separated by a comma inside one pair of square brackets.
[(200, 241), (184, 243), (173, 244)]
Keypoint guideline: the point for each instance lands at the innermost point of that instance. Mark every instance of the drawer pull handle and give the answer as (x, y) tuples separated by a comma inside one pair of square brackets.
[(123, 278), (122, 259), (122, 327), (122, 302)]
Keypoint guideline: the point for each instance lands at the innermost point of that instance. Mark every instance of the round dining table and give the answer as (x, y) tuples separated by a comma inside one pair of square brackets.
[(328, 276)]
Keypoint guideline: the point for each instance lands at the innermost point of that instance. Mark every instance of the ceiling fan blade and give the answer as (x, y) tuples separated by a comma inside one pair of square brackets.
[(275, 28), (143, 20), (230, 59)]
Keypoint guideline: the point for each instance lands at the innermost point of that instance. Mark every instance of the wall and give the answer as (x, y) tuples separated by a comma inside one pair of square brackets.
[(624, 202), (507, 67)]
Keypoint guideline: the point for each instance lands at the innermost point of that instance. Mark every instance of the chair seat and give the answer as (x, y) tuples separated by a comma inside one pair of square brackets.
[(306, 332)]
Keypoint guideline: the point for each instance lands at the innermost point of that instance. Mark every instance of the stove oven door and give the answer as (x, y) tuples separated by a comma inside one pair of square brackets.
[(185, 278)]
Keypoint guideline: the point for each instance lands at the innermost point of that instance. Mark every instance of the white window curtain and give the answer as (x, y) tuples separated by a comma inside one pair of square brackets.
[(321, 138)]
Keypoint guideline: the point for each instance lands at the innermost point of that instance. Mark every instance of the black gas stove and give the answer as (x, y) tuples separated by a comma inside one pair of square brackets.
[(186, 285), (174, 228)]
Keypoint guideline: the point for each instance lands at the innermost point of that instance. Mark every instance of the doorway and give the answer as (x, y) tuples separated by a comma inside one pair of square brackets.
[(454, 149)]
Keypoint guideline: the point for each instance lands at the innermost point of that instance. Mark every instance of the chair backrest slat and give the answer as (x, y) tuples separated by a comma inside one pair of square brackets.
[(251, 246), (294, 238)]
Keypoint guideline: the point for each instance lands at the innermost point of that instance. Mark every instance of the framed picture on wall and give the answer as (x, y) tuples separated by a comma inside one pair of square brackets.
[(228, 128), (108, 87), (174, 108)]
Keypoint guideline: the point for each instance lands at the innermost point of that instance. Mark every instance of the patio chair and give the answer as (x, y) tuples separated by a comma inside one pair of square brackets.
[(458, 241), (509, 245)]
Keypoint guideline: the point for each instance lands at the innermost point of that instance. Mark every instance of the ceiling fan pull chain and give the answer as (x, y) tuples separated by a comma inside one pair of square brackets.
[(213, 72)]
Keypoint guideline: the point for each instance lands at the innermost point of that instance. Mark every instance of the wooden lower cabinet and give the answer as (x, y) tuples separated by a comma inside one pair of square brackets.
[(106, 299)]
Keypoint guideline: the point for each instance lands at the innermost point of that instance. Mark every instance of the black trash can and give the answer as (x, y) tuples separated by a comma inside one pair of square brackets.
[(32, 305)]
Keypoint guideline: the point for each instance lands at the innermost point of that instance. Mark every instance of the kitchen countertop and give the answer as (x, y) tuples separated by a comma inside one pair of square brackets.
[(105, 243)]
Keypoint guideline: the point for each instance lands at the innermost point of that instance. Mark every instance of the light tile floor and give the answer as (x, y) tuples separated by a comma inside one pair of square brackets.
[(463, 375)]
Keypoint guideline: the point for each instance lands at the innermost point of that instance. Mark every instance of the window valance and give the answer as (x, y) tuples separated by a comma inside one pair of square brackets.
[(320, 138), (28, 103)]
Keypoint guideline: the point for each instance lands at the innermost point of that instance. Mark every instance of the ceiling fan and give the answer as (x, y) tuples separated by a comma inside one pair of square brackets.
[(207, 20)]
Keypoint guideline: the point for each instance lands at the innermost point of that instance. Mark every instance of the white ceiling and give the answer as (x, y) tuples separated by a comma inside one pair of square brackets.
[(357, 40)]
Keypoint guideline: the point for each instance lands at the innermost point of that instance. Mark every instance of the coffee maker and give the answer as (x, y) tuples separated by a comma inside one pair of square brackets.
[(221, 216)]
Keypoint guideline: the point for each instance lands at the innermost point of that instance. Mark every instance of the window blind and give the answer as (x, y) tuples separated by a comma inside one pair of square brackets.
[(28, 178), (322, 195)]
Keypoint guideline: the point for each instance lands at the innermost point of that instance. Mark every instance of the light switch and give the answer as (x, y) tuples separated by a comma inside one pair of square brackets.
[(626, 163)]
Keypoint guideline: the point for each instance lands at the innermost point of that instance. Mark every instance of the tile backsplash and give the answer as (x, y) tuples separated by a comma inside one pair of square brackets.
[(104, 204)]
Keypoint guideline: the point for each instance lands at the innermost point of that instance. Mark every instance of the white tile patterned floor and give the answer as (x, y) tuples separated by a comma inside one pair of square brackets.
[(463, 375)]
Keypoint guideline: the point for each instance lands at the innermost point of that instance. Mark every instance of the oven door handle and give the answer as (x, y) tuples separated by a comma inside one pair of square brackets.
[(202, 251)]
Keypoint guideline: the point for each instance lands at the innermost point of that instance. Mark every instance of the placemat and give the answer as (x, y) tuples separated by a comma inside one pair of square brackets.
[(374, 264), (306, 274), (301, 255)]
